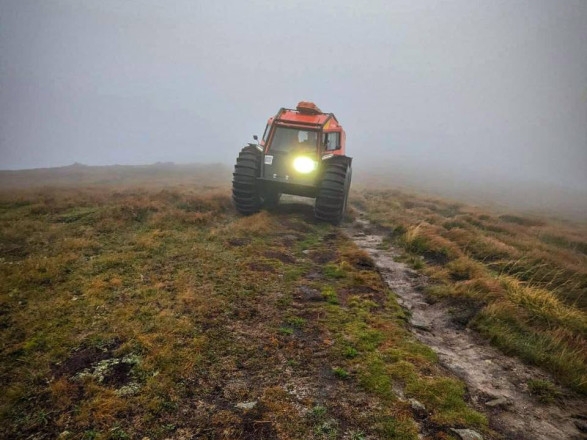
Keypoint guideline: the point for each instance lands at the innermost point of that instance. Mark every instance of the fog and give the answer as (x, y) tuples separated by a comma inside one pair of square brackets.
[(470, 90)]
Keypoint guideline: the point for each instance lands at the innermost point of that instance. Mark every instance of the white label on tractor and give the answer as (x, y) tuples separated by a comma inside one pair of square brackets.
[(268, 160)]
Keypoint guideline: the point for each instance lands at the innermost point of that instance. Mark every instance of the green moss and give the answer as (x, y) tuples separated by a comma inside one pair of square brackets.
[(446, 396), (340, 373), (332, 270), (288, 331), (374, 377), (394, 429), (296, 321), (350, 352), (329, 294)]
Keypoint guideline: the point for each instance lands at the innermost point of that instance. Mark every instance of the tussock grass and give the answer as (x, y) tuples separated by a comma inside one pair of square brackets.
[(523, 278)]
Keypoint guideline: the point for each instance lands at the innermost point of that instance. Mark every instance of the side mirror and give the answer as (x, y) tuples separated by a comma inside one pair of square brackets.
[(255, 137)]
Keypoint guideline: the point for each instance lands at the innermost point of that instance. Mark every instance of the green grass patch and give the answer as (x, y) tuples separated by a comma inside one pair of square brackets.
[(543, 390), (340, 373), (447, 397)]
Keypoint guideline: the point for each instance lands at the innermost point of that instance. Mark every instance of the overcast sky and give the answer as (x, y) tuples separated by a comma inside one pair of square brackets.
[(488, 88)]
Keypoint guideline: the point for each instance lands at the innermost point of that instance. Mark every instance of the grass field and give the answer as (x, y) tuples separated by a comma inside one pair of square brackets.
[(148, 308), (129, 312)]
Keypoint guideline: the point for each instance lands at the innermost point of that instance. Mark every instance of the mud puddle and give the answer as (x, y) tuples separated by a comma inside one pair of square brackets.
[(496, 383)]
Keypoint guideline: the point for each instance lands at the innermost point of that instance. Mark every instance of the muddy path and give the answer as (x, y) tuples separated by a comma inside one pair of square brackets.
[(496, 383)]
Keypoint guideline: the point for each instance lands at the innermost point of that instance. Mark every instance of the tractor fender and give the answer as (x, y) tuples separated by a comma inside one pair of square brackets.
[(252, 145), (340, 159)]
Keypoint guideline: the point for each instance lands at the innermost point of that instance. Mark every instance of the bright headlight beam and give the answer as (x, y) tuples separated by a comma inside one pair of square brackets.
[(304, 165)]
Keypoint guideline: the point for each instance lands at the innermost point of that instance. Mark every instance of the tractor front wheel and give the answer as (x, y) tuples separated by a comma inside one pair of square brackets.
[(245, 190), (333, 193)]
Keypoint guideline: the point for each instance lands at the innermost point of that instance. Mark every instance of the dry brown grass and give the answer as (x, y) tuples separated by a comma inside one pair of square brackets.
[(527, 275)]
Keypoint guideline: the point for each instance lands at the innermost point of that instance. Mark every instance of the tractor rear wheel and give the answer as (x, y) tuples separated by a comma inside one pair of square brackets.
[(245, 191), (333, 193)]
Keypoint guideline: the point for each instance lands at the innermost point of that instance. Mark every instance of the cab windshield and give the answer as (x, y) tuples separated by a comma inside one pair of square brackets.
[(290, 139)]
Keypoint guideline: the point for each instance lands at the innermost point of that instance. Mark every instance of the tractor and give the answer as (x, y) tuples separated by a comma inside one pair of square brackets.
[(302, 152)]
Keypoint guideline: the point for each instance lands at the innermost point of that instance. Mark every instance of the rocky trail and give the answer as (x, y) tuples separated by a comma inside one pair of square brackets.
[(497, 384)]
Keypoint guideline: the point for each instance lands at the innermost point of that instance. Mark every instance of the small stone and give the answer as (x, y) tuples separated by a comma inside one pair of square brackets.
[(128, 390), (467, 434), (420, 325), (310, 294), (500, 402), (418, 407), (246, 405), (581, 425)]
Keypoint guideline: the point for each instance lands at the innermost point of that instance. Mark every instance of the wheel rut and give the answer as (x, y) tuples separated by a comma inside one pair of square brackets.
[(497, 384)]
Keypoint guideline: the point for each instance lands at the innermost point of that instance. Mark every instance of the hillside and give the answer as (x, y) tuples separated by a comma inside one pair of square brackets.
[(157, 175), (135, 303)]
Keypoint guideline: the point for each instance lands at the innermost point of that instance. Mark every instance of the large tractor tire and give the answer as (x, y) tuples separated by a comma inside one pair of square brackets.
[(245, 190), (331, 202)]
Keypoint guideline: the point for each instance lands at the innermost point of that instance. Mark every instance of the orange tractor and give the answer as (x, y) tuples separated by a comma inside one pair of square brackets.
[(302, 152)]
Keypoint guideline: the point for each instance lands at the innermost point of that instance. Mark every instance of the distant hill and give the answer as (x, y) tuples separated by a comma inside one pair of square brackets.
[(483, 190), (533, 197), (127, 175)]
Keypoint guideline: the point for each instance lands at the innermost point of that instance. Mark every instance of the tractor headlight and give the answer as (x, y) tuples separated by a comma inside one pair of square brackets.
[(304, 165)]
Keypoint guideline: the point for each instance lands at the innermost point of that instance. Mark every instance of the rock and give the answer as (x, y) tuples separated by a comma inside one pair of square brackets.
[(310, 294), (420, 325), (246, 405), (581, 425), (314, 276), (467, 434), (418, 407), (128, 390), (500, 402)]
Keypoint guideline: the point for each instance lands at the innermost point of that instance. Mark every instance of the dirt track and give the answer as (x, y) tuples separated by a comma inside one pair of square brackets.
[(496, 382)]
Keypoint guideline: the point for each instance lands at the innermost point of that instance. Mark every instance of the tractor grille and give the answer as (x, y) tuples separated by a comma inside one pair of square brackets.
[(278, 167)]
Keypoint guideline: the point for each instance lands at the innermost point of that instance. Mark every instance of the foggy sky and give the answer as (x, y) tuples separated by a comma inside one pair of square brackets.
[(494, 88)]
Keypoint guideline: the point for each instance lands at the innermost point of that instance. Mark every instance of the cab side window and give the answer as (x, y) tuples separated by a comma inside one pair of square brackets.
[(331, 141), (266, 134)]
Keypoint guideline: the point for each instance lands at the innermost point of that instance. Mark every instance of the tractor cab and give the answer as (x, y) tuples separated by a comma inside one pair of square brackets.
[(300, 150), (295, 143)]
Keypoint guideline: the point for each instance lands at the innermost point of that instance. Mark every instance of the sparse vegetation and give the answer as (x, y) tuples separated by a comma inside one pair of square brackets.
[(544, 390), (158, 312), (519, 280)]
